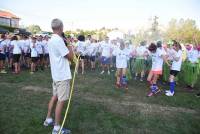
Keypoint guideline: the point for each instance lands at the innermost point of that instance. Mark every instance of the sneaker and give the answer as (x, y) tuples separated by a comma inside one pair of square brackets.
[(169, 94), (141, 79), (48, 122), (63, 131), (166, 91), (102, 72), (108, 72), (31, 72), (3, 72), (117, 85), (198, 95), (150, 94)]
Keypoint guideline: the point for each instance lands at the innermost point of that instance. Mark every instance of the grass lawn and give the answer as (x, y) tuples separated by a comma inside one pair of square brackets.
[(97, 107)]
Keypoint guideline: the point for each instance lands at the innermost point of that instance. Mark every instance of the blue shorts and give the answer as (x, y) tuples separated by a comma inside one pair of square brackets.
[(105, 60), (92, 58), (2, 56)]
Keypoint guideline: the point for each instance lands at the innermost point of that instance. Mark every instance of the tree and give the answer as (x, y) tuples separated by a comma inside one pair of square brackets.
[(34, 29)]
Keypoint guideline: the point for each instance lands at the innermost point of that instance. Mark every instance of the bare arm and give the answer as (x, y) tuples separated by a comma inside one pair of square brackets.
[(70, 55)]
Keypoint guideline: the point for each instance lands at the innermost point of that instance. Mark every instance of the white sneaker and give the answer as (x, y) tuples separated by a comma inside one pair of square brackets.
[(108, 72), (48, 122), (169, 94), (166, 91), (102, 72)]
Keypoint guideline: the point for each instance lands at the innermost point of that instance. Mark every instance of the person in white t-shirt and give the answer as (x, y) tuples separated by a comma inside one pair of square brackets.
[(121, 64), (17, 51), (40, 50), (46, 51), (81, 50), (191, 71), (106, 53), (27, 51), (2, 53), (92, 49), (59, 55), (176, 56), (34, 54), (158, 56), (141, 58), (115, 47), (21, 43)]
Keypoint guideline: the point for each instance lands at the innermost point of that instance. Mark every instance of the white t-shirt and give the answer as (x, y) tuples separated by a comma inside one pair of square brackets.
[(81, 48), (34, 52), (157, 60), (121, 58), (176, 65), (114, 48), (39, 47), (140, 52), (60, 69), (26, 47), (192, 56), (21, 44), (3, 45), (106, 49), (45, 46), (16, 47), (92, 49)]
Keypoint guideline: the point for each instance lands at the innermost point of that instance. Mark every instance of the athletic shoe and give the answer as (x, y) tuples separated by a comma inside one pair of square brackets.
[(198, 95), (108, 72), (63, 131), (141, 79), (169, 94), (31, 72), (102, 72), (48, 122), (3, 72), (166, 91), (150, 94)]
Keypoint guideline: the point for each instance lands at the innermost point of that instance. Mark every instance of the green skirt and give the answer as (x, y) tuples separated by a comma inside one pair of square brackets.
[(139, 65), (190, 73)]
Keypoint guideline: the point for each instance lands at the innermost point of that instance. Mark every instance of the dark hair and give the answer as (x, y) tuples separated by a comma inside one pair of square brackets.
[(152, 47), (176, 44), (159, 44), (3, 36), (14, 38), (81, 38)]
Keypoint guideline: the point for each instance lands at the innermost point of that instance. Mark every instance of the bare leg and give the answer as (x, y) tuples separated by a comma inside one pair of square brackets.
[(59, 107), (51, 105)]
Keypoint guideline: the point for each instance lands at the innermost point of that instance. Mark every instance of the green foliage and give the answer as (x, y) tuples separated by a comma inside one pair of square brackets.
[(34, 29)]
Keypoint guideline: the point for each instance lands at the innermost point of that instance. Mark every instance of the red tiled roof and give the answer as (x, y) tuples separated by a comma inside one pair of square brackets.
[(7, 14)]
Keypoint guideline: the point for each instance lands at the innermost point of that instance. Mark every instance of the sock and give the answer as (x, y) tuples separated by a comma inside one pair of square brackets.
[(57, 127), (154, 88), (172, 86)]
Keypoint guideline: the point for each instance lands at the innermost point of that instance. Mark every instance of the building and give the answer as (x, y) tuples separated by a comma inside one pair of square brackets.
[(9, 19)]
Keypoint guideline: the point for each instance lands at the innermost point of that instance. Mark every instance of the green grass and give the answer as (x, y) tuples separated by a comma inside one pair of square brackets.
[(97, 107)]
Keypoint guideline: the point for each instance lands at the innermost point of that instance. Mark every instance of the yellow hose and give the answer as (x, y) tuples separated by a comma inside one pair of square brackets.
[(70, 96)]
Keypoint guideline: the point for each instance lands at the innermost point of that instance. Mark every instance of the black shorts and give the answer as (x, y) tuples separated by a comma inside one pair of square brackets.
[(41, 56), (16, 57), (2, 56), (92, 58), (82, 57), (34, 59), (174, 72), (46, 56), (27, 55)]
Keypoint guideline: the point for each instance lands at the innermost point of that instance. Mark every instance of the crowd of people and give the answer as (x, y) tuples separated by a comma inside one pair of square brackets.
[(169, 61)]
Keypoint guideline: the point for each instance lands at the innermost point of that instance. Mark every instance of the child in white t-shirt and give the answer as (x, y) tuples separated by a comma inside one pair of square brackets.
[(92, 49), (81, 50), (176, 56), (46, 51), (34, 55), (40, 50), (121, 64), (158, 56), (106, 53), (2, 53)]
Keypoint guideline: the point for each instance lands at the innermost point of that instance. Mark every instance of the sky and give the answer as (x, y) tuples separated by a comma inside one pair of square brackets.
[(94, 14)]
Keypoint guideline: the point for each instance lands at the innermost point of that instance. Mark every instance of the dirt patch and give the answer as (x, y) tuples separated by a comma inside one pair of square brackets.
[(37, 89), (126, 107)]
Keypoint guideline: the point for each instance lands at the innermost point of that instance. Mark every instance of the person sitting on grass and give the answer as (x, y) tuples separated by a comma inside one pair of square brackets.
[(121, 64), (59, 55), (176, 55), (156, 70)]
